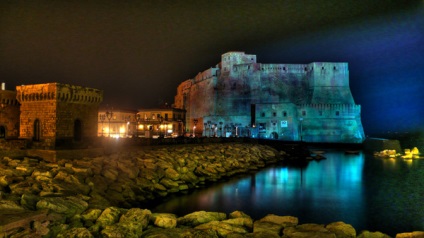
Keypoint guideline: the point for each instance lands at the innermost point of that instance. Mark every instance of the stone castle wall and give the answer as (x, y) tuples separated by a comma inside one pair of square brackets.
[(226, 94), (54, 112)]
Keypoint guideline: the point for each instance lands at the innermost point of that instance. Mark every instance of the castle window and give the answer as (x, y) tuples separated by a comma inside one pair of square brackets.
[(322, 67), (263, 114), (284, 114), (306, 69), (274, 114), (303, 113), (334, 67), (284, 68), (320, 113), (337, 113)]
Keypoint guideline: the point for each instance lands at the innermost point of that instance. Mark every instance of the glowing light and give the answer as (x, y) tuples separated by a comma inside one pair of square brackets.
[(122, 129)]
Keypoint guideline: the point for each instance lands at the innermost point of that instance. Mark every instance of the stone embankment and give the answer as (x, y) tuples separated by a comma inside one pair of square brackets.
[(95, 197)]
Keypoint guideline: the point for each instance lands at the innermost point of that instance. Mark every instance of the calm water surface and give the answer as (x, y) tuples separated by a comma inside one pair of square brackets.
[(369, 193)]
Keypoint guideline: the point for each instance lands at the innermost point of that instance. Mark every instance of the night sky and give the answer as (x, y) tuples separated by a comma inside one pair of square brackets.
[(138, 52)]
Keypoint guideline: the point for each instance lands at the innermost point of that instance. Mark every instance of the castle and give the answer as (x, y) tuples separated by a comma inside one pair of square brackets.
[(291, 102), (50, 115)]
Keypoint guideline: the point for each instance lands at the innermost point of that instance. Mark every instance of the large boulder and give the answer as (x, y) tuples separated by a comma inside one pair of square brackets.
[(267, 227), (67, 206), (108, 217), (80, 232), (414, 234), (157, 232), (342, 230), (285, 221), (200, 217), (308, 230), (164, 220), (222, 228), (372, 234)]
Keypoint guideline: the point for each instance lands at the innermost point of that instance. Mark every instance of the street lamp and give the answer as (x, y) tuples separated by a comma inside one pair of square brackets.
[(194, 127), (128, 119), (102, 119), (109, 115), (136, 126), (160, 118)]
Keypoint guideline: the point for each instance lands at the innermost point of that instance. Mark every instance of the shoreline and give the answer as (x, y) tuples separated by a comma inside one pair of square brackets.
[(69, 189)]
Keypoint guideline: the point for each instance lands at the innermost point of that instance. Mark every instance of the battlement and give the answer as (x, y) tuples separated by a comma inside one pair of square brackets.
[(329, 110), (58, 92), (209, 73), (8, 98)]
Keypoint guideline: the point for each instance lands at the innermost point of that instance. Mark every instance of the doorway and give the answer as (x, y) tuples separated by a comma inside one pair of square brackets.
[(77, 130), (36, 134)]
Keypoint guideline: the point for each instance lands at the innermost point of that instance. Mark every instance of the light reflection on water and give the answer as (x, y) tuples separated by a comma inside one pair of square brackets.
[(369, 193)]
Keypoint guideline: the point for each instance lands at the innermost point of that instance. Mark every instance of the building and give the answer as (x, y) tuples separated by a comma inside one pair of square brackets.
[(116, 122), (54, 114), (294, 102), (160, 122), (9, 114)]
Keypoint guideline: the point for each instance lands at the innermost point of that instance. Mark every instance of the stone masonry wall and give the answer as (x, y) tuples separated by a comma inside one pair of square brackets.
[(63, 111), (9, 113)]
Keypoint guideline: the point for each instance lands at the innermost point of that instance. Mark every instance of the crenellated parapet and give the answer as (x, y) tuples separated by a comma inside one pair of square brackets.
[(330, 109), (8, 98), (58, 92)]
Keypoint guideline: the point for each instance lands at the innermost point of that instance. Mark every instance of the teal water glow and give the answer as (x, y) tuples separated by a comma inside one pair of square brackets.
[(369, 193)]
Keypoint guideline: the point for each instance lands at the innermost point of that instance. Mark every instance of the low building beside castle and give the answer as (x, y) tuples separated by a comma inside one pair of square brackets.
[(54, 114), (293, 102), (116, 123), (160, 122)]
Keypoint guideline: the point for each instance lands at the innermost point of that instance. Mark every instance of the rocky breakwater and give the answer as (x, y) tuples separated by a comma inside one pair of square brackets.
[(123, 179)]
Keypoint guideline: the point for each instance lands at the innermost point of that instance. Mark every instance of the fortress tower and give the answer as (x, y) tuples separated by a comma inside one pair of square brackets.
[(9, 114), (55, 114), (240, 97)]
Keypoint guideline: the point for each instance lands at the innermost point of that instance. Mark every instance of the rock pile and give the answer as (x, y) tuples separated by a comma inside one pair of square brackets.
[(129, 177), (95, 197)]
